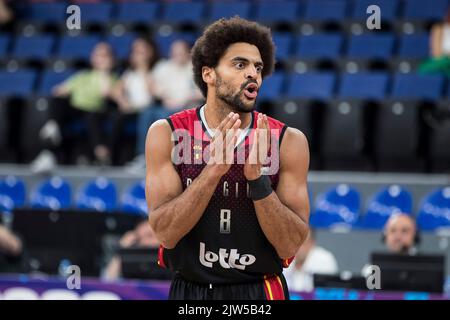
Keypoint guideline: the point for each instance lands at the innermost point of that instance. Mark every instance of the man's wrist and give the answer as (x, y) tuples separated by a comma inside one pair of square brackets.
[(260, 188)]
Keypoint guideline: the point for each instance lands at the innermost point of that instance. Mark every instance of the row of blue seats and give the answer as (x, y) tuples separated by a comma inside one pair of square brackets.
[(331, 45), (340, 205), (55, 193), (264, 11), (312, 85)]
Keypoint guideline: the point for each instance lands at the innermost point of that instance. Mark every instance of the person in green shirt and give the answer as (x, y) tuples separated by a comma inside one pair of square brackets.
[(83, 96)]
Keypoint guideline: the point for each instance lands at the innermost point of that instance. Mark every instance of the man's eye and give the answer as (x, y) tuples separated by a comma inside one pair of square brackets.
[(240, 65), (259, 68)]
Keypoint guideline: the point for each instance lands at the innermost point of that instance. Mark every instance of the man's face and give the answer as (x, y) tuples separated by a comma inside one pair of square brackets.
[(239, 76), (400, 232)]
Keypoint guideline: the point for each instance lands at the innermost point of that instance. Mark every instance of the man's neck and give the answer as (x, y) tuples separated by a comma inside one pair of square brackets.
[(216, 111)]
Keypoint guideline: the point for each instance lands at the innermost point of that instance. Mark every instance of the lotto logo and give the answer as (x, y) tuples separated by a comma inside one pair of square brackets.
[(226, 260)]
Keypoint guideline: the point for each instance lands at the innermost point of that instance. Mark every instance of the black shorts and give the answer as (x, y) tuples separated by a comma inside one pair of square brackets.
[(272, 287)]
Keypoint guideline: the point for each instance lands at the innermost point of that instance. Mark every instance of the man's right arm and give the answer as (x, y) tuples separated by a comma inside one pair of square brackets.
[(172, 211)]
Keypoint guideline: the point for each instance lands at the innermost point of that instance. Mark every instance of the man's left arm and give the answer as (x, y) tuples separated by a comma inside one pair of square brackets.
[(284, 214)]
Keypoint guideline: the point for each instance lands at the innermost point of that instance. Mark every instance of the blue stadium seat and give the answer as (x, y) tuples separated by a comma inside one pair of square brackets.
[(312, 85), (47, 12), (434, 212), (414, 46), (4, 44), (39, 46), (227, 9), (337, 206), (316, 46), (277, 11), (283, 43), (121, 45), (363, 85), (20, 83), (371, 46), (414, 86), (137, 12), (420, 10), (95, 12), (164, 42), (12, 193), (272, 87), (52, 78), (79, 47), (324, 10), (387, 201), (133, 200), (99, 195), (388, 8), (183, 12), (54, 193)]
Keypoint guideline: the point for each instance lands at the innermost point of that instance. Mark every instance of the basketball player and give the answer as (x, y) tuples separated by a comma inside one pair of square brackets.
[(228, 227)]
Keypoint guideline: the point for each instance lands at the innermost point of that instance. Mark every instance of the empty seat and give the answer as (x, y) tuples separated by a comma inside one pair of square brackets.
[(47, 12), (312, 85), (420, 10), (12, 193), (95, 12), (52, 78), (364, 85), (227, 9), (414, 86), (414, 46), (283, 43), (389, 200), (4, 44), (39, 47), (338, 206), (183, 12), (54, 193), (79, 47), (134, 201), (121, 45), (272, 87), (375, 46), (317, 46), (325, 10), (20, 83), (137, 12), (99, 195), (277, 11), (434, 212), (388, 9)]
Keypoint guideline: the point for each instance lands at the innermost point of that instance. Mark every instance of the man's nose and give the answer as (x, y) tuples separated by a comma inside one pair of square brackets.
[(251, 73)]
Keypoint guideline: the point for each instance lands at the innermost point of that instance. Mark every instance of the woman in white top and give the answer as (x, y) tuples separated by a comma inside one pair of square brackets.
[(439, 61), (135, 90)]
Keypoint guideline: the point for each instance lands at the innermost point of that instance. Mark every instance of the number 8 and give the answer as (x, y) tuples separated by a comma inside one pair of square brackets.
[(225, 221)]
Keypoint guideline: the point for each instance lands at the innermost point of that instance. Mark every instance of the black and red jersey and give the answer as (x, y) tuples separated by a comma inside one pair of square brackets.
[(227, 245)]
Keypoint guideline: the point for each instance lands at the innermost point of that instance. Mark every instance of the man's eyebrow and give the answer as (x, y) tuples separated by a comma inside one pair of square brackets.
[(258, 63)]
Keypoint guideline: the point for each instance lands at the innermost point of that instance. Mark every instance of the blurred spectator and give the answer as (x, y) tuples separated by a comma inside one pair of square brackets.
[(310, 259), (6, 14), (9, 243), (399, 236), (141, 236), (175, 90), (88, 92), (439, 62), (133, 93)]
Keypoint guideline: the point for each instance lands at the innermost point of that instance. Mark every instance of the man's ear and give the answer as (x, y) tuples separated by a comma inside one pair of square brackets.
[(208, 75)]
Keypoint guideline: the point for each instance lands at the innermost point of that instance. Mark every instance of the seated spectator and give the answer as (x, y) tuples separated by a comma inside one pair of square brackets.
[(439, 61), (133, 93), (399, 236), (174, 89), (310, 259), (142, 236), (11, 251), (87, 92)]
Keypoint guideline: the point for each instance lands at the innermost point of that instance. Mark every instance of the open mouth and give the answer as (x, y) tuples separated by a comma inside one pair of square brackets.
[(251, 91)]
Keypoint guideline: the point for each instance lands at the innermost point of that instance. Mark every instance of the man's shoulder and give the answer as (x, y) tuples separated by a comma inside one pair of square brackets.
[(183, 118)]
